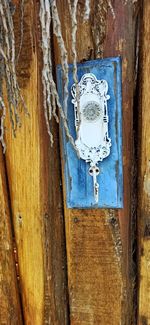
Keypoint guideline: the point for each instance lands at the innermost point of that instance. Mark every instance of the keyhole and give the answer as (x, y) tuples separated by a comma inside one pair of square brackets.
[(97, 170), (94, 169), (91, 171)]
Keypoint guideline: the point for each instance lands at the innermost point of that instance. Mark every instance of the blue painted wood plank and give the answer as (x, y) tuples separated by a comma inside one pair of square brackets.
[(79, 184)]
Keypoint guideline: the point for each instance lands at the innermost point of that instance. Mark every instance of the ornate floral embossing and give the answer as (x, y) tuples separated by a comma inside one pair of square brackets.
[(92, 111)]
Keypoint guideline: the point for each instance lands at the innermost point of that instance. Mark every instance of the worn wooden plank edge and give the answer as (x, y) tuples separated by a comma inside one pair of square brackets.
[(10, 306), (144, 173)]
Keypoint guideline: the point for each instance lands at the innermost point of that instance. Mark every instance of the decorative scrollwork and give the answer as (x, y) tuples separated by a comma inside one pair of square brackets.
[(93, 142)]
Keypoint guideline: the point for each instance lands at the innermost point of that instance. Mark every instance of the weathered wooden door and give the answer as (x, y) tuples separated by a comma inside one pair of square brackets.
[(59, 265)]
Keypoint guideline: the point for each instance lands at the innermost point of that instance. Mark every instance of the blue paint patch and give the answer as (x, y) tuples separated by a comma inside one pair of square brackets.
[(79, 184)]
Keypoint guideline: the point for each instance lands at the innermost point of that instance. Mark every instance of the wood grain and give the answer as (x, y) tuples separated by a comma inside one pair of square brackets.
[(144, 175), (100, 286), (10, 310), (34, 183)]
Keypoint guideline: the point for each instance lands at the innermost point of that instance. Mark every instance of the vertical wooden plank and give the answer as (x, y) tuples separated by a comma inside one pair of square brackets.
[(144, 174), (23, 168), (98, 271), (55, 266), (33, 179), (10, 311)]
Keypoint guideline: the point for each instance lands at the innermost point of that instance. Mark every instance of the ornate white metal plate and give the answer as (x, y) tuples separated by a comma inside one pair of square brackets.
[(90, 98)]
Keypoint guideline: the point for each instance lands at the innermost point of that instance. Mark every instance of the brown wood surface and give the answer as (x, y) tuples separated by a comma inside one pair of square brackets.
[(10, 309), (144, 174), (98, 241), (34, 184), (99, 274)]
